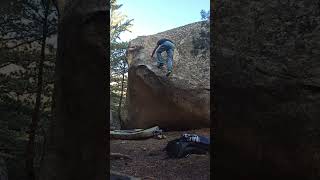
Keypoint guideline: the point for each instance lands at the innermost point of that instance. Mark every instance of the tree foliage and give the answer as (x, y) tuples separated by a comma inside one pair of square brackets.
[(17, 101), (22, 24), (201, 43), (118, 63), (25, 27), (119, 22), (205, 15)]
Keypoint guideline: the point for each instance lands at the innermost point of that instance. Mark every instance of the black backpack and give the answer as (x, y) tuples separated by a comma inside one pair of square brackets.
[(179, 148)]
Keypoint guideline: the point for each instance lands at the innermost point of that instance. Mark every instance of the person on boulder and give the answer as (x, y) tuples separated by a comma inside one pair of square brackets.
[(168, 46)]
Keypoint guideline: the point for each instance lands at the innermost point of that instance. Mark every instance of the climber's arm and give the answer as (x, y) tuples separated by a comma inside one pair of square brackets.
[(154, 50)]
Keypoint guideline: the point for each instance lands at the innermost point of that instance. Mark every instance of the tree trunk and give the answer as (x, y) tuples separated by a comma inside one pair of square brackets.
[(30, 150), (3, 169), (78, 144), (120, 102)]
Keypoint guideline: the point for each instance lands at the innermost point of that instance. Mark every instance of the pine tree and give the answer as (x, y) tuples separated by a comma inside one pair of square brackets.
[(119, 65), (25, 28)]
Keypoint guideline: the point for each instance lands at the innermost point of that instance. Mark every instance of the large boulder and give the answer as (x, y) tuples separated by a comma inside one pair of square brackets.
[(267, 86), (181, 100)]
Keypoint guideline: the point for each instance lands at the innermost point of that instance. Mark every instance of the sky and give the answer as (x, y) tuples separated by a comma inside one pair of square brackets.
[(154, 16)]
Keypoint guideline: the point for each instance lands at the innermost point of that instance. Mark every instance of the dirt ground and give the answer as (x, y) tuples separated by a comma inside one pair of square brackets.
[(149, 162)]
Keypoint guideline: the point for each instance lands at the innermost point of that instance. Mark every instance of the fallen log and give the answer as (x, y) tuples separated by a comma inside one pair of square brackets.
[(114, 156), (119, 176), (134, 133)]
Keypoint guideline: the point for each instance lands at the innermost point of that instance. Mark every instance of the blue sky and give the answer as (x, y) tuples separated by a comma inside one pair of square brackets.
[(153, 16)]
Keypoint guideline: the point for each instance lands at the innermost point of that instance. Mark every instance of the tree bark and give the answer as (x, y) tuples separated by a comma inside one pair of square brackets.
[(77, 146), (30, 150), (3, 169), (121, 97)]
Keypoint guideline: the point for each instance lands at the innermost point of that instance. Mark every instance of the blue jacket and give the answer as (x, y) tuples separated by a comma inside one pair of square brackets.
[(163, 40)]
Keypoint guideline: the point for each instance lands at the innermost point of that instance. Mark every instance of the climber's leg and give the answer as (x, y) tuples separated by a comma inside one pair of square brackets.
[(170, 50), (170, 60), (159, 57)]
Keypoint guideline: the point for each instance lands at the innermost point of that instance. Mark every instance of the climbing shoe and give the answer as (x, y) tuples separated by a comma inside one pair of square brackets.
[(168, 73)]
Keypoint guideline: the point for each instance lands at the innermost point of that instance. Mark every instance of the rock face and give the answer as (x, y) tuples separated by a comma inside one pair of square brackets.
[(179, 101), (267, 89)]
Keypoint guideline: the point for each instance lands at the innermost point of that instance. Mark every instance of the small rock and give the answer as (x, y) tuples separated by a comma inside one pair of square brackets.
[(160, 136)]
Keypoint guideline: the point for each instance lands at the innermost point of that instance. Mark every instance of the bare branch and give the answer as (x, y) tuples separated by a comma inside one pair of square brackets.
[(5, 155), (18, 37), (34, 15), (23, 43)]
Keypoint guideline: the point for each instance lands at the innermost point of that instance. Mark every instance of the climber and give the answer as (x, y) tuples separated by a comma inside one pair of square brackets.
[(168, 46)]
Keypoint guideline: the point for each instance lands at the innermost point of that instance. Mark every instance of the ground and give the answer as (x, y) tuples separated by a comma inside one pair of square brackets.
[(149, 162)]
